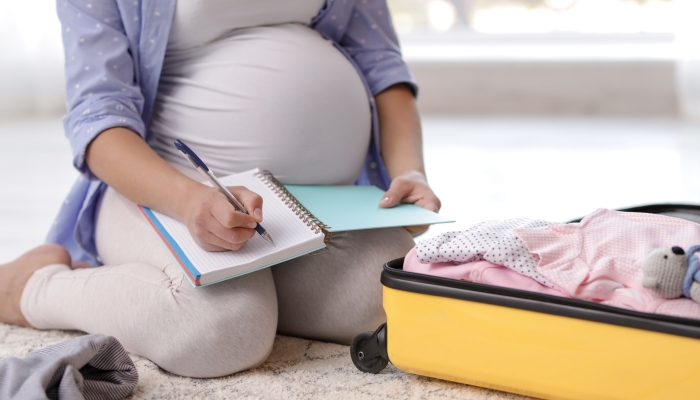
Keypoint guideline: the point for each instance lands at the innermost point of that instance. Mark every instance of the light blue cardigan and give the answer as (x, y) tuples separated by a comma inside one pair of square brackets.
[(114, 51)]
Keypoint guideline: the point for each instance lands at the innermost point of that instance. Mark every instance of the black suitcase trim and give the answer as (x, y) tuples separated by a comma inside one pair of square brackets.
[(672, 209), (393, 276)]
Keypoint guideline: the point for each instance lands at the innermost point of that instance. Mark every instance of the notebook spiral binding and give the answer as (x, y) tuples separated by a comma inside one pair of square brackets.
[(290, 201)]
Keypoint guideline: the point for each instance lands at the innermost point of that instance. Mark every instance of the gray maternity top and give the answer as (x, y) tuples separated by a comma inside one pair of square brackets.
[(238, 86)]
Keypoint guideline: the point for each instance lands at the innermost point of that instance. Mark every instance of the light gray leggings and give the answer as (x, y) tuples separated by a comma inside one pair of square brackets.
[(141, 297)]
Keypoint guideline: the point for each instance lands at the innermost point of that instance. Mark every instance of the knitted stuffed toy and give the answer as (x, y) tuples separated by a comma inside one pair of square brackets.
[(670, 273)]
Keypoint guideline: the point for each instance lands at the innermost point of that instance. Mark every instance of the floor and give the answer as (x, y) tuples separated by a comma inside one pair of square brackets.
[(297, 369), (488, 168)]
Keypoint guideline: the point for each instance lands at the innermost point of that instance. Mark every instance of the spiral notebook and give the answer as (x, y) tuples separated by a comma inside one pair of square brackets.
[(295, 229)]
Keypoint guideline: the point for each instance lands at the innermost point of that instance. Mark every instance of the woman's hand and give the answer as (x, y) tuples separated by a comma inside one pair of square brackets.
[(402, 150), (413, 188), (125, 162), (215, 224)]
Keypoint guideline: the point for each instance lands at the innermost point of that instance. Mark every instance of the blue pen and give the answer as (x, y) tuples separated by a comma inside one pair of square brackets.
[(199, 165)]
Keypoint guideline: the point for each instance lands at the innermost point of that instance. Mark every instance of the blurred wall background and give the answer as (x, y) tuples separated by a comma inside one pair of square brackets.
[(31, 59), (471, 57), (553, 57)]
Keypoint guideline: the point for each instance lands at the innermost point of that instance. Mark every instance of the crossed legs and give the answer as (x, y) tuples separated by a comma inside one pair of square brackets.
[(141, 297)]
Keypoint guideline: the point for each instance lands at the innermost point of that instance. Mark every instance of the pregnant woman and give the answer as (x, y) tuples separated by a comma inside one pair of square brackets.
[(314, 91)]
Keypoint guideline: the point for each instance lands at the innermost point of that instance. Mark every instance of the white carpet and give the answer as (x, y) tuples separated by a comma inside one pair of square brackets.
[(296, 369)]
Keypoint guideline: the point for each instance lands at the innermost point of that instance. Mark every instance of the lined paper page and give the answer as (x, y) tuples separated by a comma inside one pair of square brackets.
[(285, 227)]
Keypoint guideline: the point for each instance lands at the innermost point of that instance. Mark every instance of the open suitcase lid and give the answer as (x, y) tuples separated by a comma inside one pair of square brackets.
[(690, 212), (393, 276)]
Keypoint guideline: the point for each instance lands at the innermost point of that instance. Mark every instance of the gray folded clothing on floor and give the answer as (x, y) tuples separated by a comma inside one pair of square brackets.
[(87, 367)]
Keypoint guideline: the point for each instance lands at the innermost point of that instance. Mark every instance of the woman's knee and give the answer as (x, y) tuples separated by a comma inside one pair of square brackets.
[(222, 329), (221, 345), (362, 309), (336, 294), (366, 252)]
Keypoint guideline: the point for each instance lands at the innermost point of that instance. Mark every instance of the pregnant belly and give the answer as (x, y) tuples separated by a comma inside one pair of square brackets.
[(280, 98)]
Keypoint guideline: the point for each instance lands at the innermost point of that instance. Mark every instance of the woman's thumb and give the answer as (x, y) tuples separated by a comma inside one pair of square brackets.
[(390, 199)]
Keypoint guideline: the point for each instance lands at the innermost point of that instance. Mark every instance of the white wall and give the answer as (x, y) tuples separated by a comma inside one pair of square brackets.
[(31, 59), (542, 75), (546, 74), (688, 65)]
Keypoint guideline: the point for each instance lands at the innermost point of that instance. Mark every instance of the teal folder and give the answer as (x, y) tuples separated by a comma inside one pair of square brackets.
[(349, 208)]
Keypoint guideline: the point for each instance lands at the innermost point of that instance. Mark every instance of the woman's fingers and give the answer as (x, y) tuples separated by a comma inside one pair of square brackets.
[(212, 236), (399, 189), (226, 227), (252, 201), (233, 238), (430, 202), (416, 230), (210, 242), (225, 213), (217, 226), (411, 188)]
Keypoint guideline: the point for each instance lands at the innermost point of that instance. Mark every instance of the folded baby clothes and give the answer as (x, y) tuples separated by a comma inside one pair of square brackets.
[(484, 272), (601, 257), (492, 241)]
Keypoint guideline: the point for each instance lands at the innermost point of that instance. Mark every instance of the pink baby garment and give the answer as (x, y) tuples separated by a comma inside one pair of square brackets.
[(492, 241), (484, 272), (600, 258)]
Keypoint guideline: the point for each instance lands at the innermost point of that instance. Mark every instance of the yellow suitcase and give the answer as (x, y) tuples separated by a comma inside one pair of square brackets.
[(531, 343)]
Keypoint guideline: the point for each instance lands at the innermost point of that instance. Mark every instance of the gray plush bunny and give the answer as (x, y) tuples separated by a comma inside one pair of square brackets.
[(667, 273)]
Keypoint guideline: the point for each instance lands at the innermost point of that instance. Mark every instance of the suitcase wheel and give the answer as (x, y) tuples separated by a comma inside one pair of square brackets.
[(368, 351)]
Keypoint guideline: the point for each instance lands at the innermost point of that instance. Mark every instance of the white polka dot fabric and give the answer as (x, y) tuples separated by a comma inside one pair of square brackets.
[(492, 241)]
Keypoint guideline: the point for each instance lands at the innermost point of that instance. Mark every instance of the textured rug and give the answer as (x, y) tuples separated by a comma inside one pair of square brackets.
[(296, 369)]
